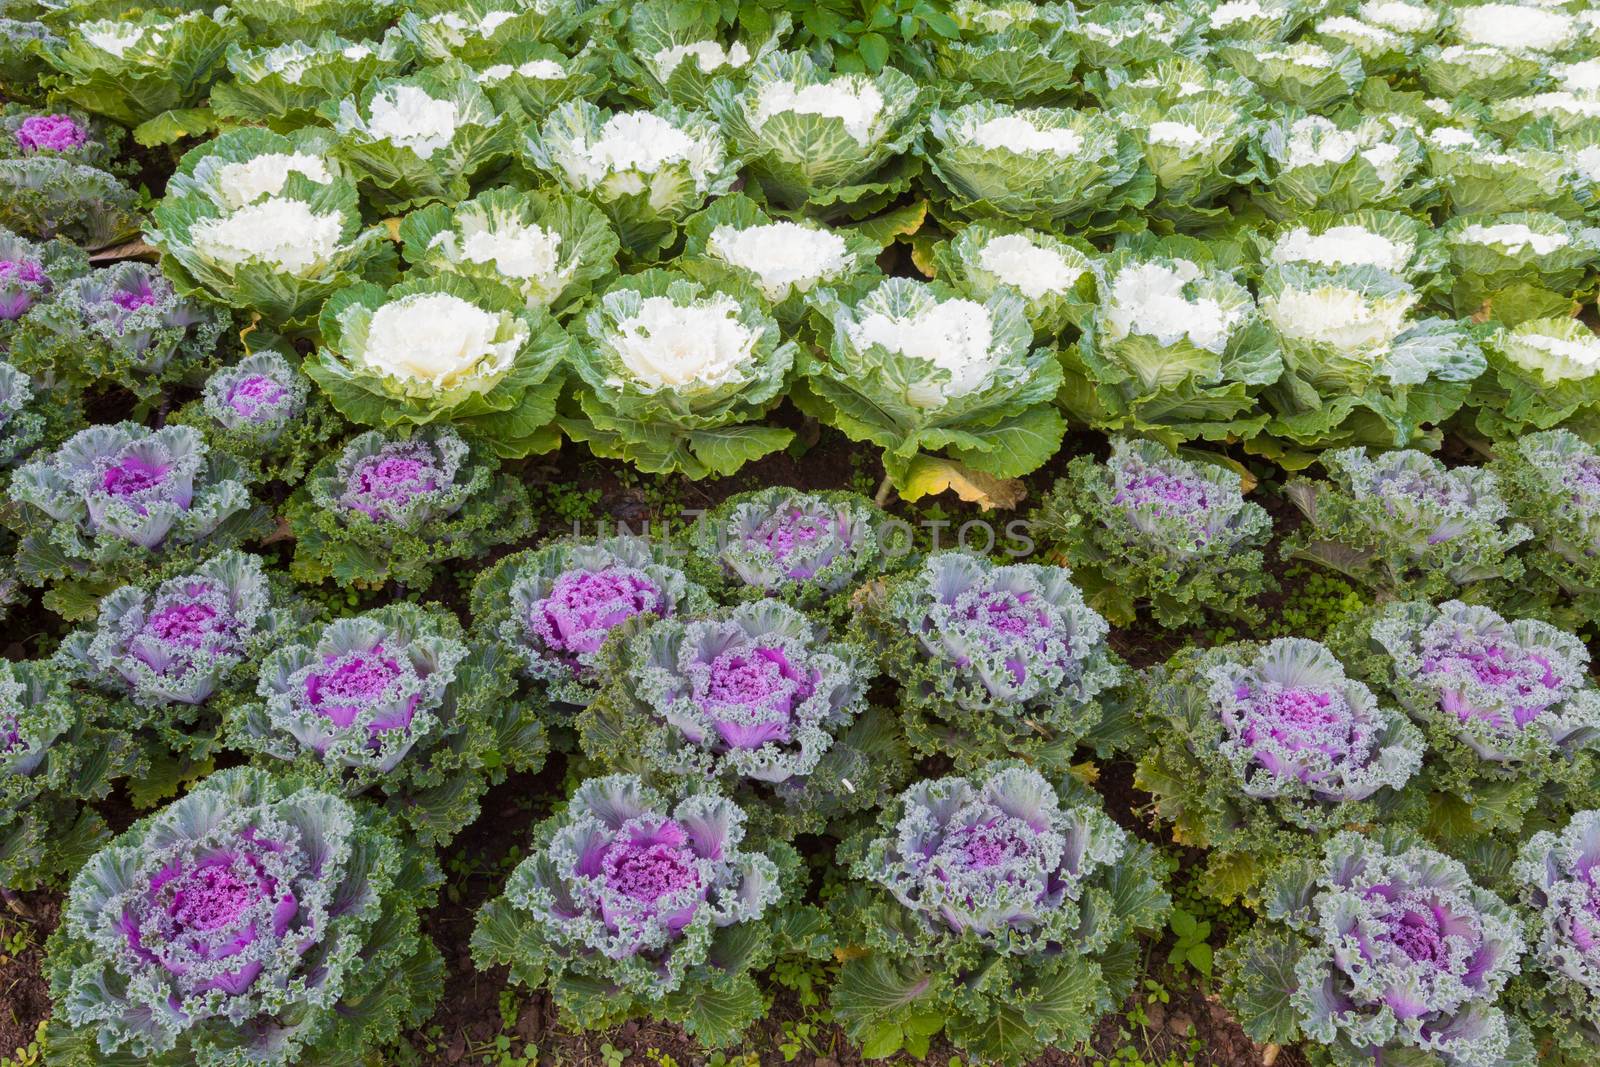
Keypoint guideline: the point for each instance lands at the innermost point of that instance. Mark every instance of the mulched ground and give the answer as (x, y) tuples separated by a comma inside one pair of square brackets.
[(1191, 1027)]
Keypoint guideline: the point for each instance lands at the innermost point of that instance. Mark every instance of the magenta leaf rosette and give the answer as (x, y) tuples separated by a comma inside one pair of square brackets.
[(54, 760), (992, 659), (1558, 882), (1251, 747), (1148, 527), (1552, 482), (394, 703), (758, 698), (123, 324), (1510, 710), (392, 507), (164, 661), (64, 133), (554, 607), (121, 501), (804, 548), (255, 920), (995, 907), (263, 412), (630, 906), (1405, 525), (30, 272), (1379, 949)]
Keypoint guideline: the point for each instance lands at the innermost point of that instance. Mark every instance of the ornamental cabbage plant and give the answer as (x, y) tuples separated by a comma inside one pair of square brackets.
[(264, 223), (1056, 277), (134, 68), (1518, 266), (1511, 714), (391, 508), (260, 410), (629, 906), (64, 133), (283, 85), (255, 920), (647, 170), (996, 908), (22, 424), (1124, 35), (1015, 52), (1256, 749), (43, 197), (671, 60), (1551, 480), (164, 661), (548, 249), (30, 272), (420, 138), (1543, 372), (1404, 525), (757, 699), (1385, 948), (1478, 175), (1479, 71), (1558, 882), (1360, 366), (811, 550), (992, 659), (117, 502), (1304, 74), (920, 370), (444, 350), (395, 704), (530, 79), (553, 608), (125, 325), (1390, 241), (821, 141), (1314, 163), (676, 375), (54, 761), (275, 21), (1148, 527), (1191, 148), (783, 260), (1045, 167), (1176, 348), (474, 30)]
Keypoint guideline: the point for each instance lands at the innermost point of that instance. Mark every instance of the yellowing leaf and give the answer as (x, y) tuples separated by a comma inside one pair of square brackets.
[(930, 475)]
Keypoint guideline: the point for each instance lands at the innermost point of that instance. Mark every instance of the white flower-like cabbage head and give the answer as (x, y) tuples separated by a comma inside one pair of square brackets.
[(439, 340), (853, 99), (1159, 299), (955, 335), (688, 347), (248, 180), (284, 233), (407, 116), (784, 257)]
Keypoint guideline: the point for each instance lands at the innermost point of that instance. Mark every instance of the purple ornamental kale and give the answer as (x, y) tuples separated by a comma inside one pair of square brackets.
[(51, 133), (405, 483), (1295, 726), (24, 281), (995, 854), (1510, 689), (756, 690), (1405, 952), (582, 607), (258, 397), (804, 547), (1559, 874), (623, 878), (1175, 493), (179, 643)]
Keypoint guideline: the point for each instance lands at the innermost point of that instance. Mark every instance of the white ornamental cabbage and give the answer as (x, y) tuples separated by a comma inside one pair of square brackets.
[(1055, 277), (1542, 373)]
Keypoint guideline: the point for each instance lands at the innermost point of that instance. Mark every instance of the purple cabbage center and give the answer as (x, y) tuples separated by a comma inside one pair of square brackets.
[(52, 133), (750, 695), (1518, 680), (582, 607), (133, 475), (350, 684), (255, 395)]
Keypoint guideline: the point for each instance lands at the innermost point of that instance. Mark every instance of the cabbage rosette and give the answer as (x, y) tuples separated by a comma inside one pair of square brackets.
[(530, 79), (992, 660), (390, 508), (1056, 277), (420, 138), (1480, 176), (261, 411), (1403, 525), (630, 906), (1313, 163), (550, 249), (1016, 52), (262, 223), (553, 608), (59, 133), (1046, 167), (1396, 243), (134, 68), (1511, 714), (45, 196), (397, 705), (254, 920), (783, 260), (677, 375), (1194, 149), (283, 85), (30, 272), (54, 761), (1380, 947), (1126, 35), (921, 371), (1304, 74), (1543, 372), (1559, 988), (996, 908), (811, 550), (1258, 750), (1147, 527), (1360, 367), (822, 141), (478, 30), (439, 350), (1176, 348), (668, 59), (1552, 481), (759, 700), (1519, 266), (22, 416)]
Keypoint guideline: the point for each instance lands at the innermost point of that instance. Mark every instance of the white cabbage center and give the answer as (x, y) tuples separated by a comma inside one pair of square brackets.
[(438, 339), (708, 56), (854, 101), (665, 345), (632, 141), (407, 116), (1334, 315), (1514, 237), (246, 182), (285, 233), (1514, 26), (515, 251), (785, 257), (953, 335), (1149, 299), (1556, 358), (1013, 133), (1343, 246), (1026, 267)]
